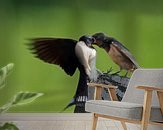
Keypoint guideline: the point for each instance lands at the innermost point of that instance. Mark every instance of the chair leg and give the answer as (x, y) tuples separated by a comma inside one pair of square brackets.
[(160, 98), (146, 109), (112, 94), (124, 125), (144, 126), (94, 123)]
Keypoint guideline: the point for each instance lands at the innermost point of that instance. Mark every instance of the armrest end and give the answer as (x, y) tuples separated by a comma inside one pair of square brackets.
[(149, 88), (101, 85)]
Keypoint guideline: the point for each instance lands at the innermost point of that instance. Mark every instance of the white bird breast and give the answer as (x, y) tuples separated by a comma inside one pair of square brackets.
[(87, 57)]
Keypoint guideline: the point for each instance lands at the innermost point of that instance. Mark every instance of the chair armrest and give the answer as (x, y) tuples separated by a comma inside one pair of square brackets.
[(101, 85), (98, 90), (147, 88)]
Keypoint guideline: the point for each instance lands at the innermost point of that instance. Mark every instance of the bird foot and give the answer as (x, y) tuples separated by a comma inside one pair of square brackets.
[(116, 72), (110, 70), (126, 74)]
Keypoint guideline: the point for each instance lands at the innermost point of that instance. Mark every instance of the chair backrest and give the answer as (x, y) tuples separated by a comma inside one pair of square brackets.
[(143, 77)]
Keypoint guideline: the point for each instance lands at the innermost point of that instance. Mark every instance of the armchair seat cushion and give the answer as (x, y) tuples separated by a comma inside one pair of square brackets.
[(131, 111)]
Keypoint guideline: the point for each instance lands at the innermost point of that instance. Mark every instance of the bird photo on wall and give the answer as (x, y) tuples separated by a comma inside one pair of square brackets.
[(69, 54), (117, 51)]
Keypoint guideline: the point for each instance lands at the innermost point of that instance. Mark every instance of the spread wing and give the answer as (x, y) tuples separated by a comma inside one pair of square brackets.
[(57, 51), (125, 51)]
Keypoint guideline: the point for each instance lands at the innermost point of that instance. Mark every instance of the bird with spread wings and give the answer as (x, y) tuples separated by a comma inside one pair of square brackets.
[(71, 54)]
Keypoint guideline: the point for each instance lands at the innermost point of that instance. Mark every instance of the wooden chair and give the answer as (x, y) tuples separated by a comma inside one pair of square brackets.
[(142, 103)]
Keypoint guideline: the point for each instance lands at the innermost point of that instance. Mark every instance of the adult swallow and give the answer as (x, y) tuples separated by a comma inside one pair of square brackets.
[(69, 54), (117, 51)]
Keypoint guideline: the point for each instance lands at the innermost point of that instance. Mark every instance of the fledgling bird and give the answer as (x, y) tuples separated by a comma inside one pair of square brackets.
[(69, 54), (118, 52)]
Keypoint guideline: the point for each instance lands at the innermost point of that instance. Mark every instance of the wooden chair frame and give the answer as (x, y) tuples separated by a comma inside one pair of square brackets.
[(146, 106)]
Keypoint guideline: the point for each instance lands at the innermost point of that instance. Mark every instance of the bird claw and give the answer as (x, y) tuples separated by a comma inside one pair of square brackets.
[(110, 70), (116, 72), (126, 74)]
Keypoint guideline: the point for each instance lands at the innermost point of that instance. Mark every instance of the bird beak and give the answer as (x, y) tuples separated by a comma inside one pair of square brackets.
[(94, 40), (97, 42)]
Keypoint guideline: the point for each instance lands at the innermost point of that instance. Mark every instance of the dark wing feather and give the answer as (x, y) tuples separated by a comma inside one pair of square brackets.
[(125, 51), (56, 51)]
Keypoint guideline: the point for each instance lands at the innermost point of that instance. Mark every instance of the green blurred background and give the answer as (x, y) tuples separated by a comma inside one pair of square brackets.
[(137, 24)]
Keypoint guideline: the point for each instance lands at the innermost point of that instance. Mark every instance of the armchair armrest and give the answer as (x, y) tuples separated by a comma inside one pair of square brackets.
[(98, 89), (147, 88), (101, 85)]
